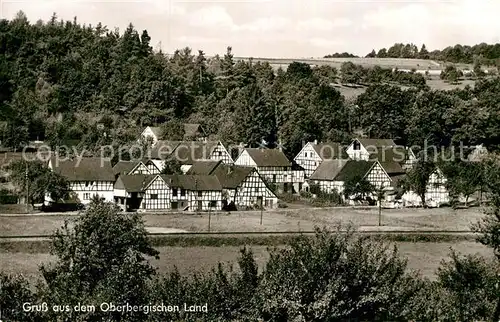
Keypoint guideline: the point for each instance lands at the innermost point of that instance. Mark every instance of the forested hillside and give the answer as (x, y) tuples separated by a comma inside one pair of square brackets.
[(62, 81)]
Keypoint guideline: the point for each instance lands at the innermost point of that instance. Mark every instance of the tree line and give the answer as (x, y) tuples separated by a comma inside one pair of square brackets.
[(485, 54), (88, 86)]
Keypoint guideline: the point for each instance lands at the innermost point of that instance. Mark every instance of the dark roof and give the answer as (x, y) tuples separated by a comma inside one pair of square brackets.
[(84, 169), (203, 167), (330, 150), (133, 183), (231, 176), (397, 154), (193, 182), (392, 167), (328, 169), (269, 157), (186, 152), (354, 168), (193, 130), (124, 167), (7, 157), (162, 149), (377, 142)]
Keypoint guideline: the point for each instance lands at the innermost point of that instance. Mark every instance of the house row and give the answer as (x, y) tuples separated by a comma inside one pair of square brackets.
[(380, 161), (139, 185)]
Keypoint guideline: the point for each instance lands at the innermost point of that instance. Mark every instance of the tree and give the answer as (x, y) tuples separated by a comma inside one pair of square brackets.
[(451, 74), (463, 178), (478, 71), (469, 284), (334, 277), (39, 180), (417, 179), (358, 187), (424, 53), (372, 54), (171, 166), (101, 259), (489, 226)]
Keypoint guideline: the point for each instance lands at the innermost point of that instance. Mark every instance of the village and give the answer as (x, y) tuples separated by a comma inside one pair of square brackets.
[(215, 178)]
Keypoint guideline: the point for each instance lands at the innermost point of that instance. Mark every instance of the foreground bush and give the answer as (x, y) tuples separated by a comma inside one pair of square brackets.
[(331, 276)]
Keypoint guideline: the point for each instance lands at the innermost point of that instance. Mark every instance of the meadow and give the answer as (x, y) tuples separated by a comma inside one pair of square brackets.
[(279, 220)]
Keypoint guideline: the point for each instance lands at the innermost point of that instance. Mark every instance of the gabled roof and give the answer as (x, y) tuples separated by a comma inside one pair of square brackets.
[(192, 130), (269, 157), (397, 154), (330, 150), (231, 176), (203, 167), (341, 170), (392, 168), (162, 149), (84, 169), (133, 183), (354, 168), (186, 152), (328, 170), (124, 167), (193, 182), (157, 131), (377, 142)]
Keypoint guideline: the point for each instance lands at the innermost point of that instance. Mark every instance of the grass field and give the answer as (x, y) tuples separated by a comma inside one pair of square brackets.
[(425, 257), (277, 220)]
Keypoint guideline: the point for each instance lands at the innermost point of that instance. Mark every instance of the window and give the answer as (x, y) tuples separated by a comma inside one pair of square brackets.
[(357, 146), (174, 192), (86, 196), (154, 196), (183, 192), (274, 178), (212, 204), (87, 183), (200, 193)]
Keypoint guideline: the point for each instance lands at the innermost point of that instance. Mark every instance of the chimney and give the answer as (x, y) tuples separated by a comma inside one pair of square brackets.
[(315, 141), (230, 169)]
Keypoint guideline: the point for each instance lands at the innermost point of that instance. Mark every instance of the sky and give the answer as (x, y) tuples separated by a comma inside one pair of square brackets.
[(282, 28)]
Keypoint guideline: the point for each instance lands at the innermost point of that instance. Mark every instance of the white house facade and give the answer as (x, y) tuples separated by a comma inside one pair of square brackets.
[(313, 153), (87, 177)]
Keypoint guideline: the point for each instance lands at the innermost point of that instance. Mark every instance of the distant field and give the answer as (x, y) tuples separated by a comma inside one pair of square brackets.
[(425, 257), (278, 220), (382, 62)]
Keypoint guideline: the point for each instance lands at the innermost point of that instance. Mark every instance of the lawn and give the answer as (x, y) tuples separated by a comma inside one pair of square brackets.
[(278, 220), (425, 257)]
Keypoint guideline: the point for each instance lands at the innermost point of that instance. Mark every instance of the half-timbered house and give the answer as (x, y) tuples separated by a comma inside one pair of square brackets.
[(436, 192), (274, 167), (135, 167), (187, 152), (152, 134), (194, 132), (242, 186), (331, 175), (363, 149), (129, 190), (313, 153), (87, 177)]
